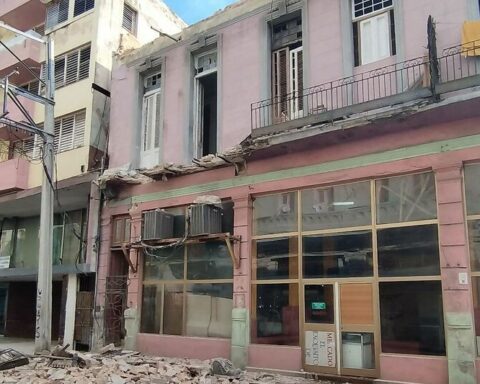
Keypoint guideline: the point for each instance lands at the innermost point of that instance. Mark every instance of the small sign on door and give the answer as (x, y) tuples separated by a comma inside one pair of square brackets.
[(320, 349)]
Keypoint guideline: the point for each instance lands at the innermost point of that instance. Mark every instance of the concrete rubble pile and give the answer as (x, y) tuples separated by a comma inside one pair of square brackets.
[(121, 367)]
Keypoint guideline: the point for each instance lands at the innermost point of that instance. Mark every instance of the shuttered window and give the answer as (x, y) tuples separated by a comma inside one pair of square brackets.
[(69, 134), (287, 68), (129, 21), (57, 12), (82, 6), (71, 67), (151, 118)]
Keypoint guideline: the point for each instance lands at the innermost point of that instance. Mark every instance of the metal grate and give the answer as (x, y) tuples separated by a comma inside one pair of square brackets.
[(129, 19), (57, 12), (115, 305), (82, 6)]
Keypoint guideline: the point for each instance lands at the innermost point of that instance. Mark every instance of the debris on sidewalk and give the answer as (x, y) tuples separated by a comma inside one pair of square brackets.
[(116, 366)]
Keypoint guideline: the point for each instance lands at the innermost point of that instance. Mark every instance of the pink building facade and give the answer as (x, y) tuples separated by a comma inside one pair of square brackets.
[(348, 242)]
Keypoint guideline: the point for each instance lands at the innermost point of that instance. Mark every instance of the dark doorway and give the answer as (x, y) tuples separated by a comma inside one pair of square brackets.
[(208, 108)]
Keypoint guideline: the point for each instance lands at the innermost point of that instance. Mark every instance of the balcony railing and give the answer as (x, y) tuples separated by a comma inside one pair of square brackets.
[(422, 77)]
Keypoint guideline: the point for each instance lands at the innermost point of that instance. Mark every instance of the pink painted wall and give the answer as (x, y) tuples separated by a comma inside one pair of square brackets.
[(325, 37), (275, 357), (14, 175), (123, 115), (241, 78), (175, 116), (242, 69), (186, 347), (415, 369)]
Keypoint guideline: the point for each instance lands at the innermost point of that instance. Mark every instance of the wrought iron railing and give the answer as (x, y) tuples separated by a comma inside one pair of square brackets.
[(377, 88)]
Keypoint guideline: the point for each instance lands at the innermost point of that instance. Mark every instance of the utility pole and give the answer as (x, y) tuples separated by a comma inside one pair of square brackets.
[(43, 325)]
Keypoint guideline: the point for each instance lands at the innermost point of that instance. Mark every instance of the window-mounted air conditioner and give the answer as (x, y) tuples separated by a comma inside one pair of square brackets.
[(205, 219), (157, 225)]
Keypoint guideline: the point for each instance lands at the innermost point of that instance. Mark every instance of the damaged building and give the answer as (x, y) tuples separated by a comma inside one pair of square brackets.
[(85, 34), (295, 185)]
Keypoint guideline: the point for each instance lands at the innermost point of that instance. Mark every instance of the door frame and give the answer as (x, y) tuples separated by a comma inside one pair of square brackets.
[(338, 328)]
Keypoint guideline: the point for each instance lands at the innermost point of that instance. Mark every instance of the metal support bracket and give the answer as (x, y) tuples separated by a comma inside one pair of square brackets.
[(233, 249), (127, 258)]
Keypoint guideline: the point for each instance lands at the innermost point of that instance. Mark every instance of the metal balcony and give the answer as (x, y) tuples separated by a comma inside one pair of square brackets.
[(424, 77)]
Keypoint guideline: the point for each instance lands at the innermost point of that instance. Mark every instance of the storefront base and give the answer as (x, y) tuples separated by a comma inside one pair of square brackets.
[(414, 369), (183, 347), (275, 357)]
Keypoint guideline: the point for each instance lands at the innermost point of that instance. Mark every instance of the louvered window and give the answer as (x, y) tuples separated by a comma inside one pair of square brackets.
[(151, 120), (71, 67), (69, 134), (373, 30), (82, 6), (129, 19), (57, 12), (287, 69)]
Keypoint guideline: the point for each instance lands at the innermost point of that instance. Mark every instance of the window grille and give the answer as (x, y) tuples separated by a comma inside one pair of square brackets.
[(364, 7), (129, 19), (40, 29), (57, 12), (206, 62), (82, 6)]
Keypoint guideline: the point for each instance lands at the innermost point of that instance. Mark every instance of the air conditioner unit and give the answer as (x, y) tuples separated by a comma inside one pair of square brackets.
[(157, 225), (205, 219)]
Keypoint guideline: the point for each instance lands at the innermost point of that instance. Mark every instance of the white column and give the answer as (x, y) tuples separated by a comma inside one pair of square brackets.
[(70, 310)]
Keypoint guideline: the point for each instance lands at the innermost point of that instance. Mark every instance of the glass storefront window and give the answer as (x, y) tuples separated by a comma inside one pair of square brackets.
[(408, 251), (472, 189), (319, 304), (474, 236), (164, 264), (336, 207), (406, 198), (173, 309), (476, 309), (209, 310), (151, 309), (411, 316), (275, 213), (275, 318), (176, 300), (207, 261), (276, 259), (341, 255)]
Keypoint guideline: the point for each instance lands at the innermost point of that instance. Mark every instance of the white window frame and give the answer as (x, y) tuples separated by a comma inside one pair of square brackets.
[(374, 47), (149, 157), (198, 102), (293, 71)]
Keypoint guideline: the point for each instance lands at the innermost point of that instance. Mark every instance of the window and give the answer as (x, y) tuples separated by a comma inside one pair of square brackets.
[(369, 237), (373, 30), (69, 134), (129, 21), (287, 69), (205, 104), (412, 317), (71, 67), (188, 290), (121, 230), (82, 6), (57, 12), (472, 196), (151, 121)]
